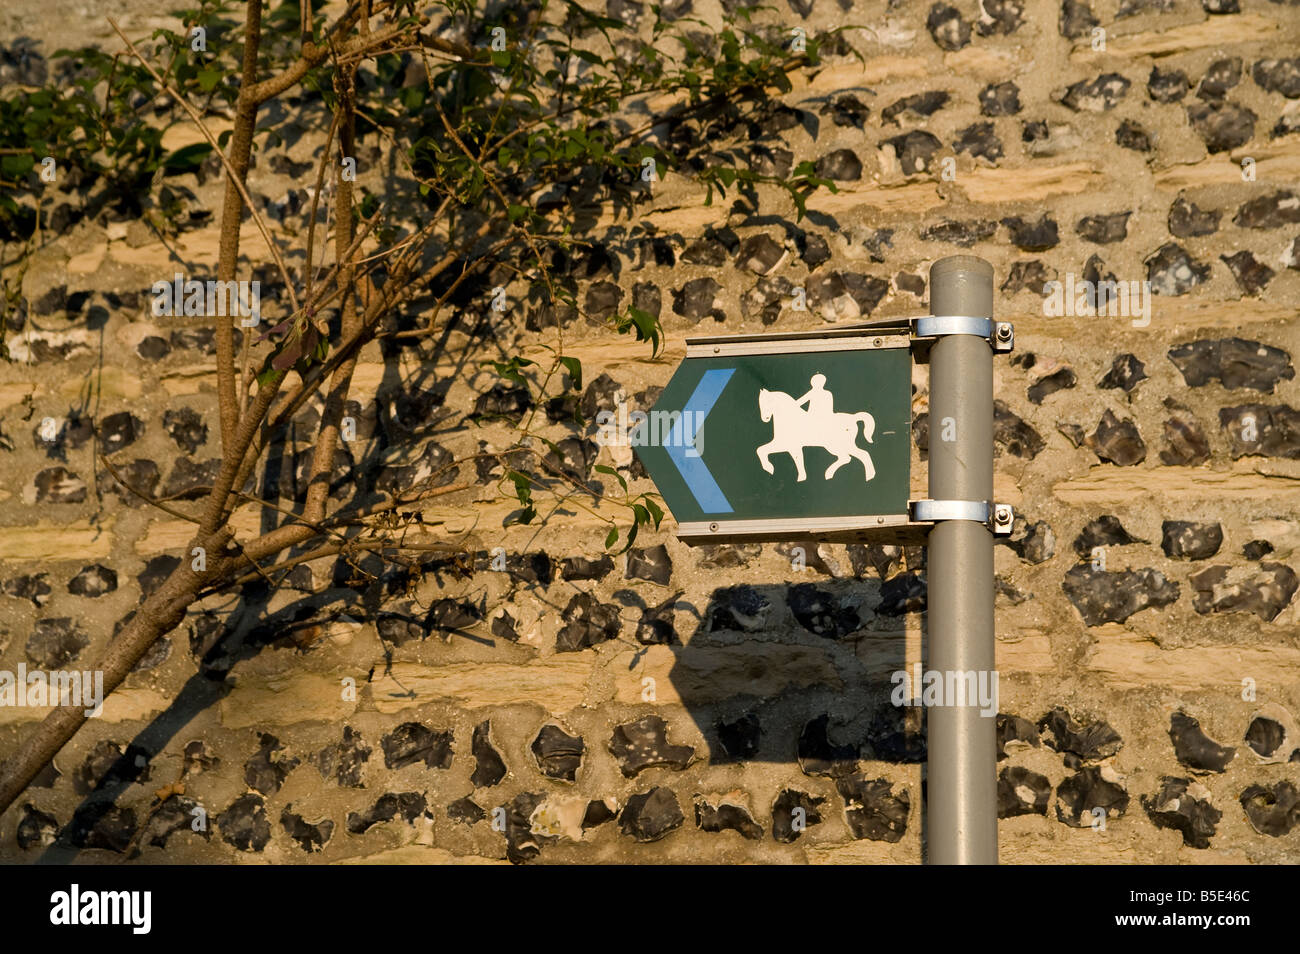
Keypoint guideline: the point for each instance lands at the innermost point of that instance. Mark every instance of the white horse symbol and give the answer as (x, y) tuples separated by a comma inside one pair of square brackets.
[(793, 429)]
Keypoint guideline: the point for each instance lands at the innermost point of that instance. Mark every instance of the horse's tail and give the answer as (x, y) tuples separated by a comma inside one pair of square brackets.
[(764, 405), (868, 425)]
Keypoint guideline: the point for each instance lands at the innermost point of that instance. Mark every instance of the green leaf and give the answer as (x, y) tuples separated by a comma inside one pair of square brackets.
[(611, 538), (15, 167), (187, 158), (656, 512), (602, 468), (501, 58), (574, 367), (208, 78)]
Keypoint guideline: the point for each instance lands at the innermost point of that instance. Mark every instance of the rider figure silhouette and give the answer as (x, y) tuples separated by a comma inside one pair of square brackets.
[(820, 402)]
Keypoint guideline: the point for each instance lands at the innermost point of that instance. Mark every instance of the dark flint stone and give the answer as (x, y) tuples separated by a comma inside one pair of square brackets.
[(1013, 728), (118, 430), (1279, 76), (821, 613), (649, 816), (1125, 373), (1060, 380), (1265, 736), (1033, 275), (29, 586), (896, 734), (343, 760), (1104, 229), (846, 110), (106, 766), (1256, 549), (784, 814), (1117, 441), (580, 568), (597, 813), (1221, 76), (1265, 593), (522, 844), (644, 744), (652, 563), (1013, 435), (1251, 274), (1277, 430), (310, 837), (695, 299), (964, 234), (102, 825), (904, 593), (54, 642), (266, 770), (185, 426), (1076, 19), (1022, 792), (1167, 86), (759, 254), (1196, 750), (1131, 135), (1104, 597), (1033, 236), (173, 815), (842, 165), (1185, 440), (1000, 99), (448, 615), (412, 742), (946, 25), (1274, 812), (58, 485), (587, 623), (489, 768), (190, 480), (1186, 220), (819, 756), (724, 817), (1222, 126), (1173, 808), (465, 811), (558, 754), (914, 150), (407, 805), (1186, 540), (1090, 742), (919, 105), (1271, 211), (1033, 542), (1079, 794), (871, 808), (1096, 95), (244, 824), (740, 607)]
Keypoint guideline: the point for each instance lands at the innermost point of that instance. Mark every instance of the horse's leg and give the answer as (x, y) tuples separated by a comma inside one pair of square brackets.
[(797, 454), (867, 465), (765, 457), (841, 458)]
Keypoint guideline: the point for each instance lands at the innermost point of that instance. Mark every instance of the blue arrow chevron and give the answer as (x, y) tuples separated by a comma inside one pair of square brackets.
[(692, 468)]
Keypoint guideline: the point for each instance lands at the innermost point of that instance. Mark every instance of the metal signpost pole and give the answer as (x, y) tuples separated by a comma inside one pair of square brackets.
[(809, 437), (961, 800)]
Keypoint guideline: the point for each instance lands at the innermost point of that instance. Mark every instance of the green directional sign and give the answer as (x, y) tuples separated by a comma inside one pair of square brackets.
[(777, 436)]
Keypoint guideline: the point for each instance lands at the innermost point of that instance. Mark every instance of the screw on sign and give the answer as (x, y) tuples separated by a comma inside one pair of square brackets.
[(807, 435)]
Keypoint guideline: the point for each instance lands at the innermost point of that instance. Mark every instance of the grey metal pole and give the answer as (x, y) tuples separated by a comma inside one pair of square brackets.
[(961, 809)]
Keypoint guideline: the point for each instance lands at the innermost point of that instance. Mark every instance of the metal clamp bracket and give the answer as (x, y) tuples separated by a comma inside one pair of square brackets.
[(1001, 335), (998, 517)]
